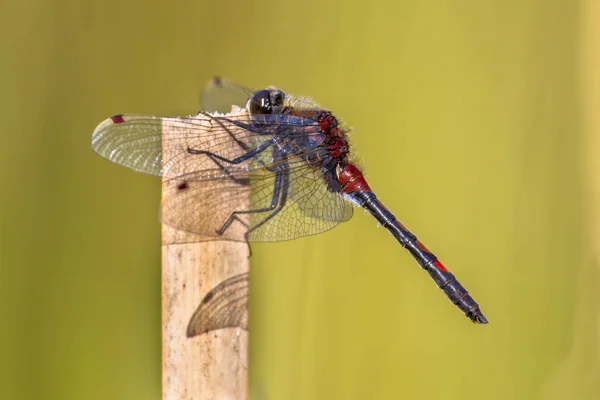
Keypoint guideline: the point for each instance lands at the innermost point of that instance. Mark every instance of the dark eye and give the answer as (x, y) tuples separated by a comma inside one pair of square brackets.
[(261, 103)]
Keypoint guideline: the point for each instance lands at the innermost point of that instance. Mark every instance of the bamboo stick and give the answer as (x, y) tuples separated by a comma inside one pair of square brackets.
[(212, 365)]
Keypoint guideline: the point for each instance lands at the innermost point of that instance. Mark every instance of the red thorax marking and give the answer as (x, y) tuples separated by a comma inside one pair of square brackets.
[(336, 148), (327, 121)]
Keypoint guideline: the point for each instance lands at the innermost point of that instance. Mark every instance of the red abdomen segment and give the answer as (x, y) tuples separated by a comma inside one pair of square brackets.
[(356, 188)]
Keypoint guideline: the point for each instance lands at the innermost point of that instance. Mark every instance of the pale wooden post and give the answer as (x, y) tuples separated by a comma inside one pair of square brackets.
[(213, 365)]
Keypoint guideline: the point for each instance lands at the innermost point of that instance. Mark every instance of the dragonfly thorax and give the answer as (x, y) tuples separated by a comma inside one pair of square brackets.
[(335, 138)]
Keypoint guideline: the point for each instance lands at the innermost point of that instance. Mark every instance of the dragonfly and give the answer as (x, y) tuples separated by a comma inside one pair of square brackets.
[(259, 166)]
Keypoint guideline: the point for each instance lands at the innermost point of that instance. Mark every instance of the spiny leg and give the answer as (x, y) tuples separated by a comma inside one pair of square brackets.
[(245, 126), (240, 181), (238, 160), (285, 183), (219, 120), (279, 175), (264, 129)]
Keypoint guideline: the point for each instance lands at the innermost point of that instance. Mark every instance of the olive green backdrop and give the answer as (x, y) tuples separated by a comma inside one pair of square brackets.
[(467, 119)]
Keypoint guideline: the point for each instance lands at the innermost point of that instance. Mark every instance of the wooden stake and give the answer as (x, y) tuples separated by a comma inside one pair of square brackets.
[(212, 365)]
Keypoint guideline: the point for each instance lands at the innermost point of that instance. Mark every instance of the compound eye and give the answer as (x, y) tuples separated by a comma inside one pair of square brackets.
[(261, 103)]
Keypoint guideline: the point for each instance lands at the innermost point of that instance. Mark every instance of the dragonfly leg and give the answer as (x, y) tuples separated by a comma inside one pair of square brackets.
[(278, 201), (249, 154), (240, 181), (247, 127), (219, 120), (238, 160), (285, 181)]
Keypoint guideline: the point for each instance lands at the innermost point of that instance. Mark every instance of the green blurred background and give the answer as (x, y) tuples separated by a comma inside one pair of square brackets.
[(471, 124)]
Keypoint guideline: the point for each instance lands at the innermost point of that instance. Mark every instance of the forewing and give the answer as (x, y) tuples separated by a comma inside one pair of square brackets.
[(212, 146), (137, 142), (132, 141)]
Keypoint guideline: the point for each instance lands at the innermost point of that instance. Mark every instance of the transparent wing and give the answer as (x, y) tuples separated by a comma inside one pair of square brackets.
[(302, 206), (312, 191), (203, 207), (136, 142), (220, 94), (225, 306), (132, 141), (310, 207)]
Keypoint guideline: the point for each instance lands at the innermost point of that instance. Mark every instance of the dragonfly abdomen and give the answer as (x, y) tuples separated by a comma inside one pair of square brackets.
[(356, 188)]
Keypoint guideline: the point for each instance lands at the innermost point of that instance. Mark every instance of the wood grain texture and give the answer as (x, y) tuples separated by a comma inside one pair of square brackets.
[(213, 365)]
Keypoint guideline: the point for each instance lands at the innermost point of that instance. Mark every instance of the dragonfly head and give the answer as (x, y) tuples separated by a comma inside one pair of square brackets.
[(267, 101)]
